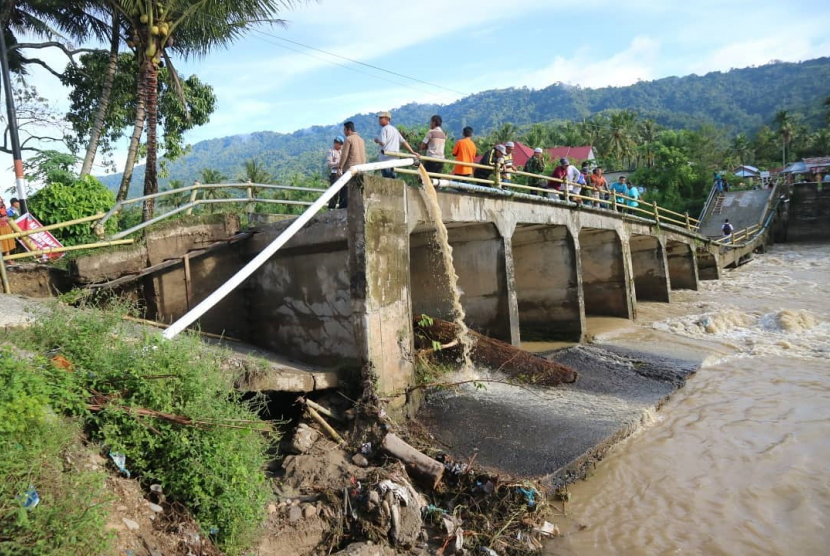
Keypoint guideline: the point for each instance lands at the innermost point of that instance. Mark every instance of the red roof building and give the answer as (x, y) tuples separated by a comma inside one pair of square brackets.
[(573, 154), (522, 153)]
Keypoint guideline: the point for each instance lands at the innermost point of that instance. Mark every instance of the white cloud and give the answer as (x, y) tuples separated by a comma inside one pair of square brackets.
[(791, 47), (635, 63)]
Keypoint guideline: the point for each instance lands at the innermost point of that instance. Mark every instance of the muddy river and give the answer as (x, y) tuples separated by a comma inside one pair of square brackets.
[(738, 461)]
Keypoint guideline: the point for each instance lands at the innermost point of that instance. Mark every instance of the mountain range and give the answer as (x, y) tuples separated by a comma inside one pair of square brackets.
[(740, 100)]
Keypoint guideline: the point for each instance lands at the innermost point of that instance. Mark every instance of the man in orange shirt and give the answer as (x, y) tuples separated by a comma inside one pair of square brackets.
[(464, 151)]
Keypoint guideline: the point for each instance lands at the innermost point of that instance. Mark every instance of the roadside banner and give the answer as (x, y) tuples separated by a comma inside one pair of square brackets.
[(40, 240)]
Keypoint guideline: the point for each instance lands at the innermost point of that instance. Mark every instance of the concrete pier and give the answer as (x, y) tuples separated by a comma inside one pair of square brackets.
[(548, 281), (650, 268), (682, 265), (605, 274)]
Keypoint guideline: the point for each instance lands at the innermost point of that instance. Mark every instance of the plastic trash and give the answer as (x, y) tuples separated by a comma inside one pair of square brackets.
[(31, 498), (487, 551), (120, 461), (530, 495), (366, 448)]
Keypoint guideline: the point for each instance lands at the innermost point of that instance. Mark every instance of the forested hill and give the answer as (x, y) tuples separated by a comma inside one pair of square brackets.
[(740, 100)]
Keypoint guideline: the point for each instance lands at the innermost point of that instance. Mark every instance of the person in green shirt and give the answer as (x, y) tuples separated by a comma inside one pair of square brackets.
[(536, 165)]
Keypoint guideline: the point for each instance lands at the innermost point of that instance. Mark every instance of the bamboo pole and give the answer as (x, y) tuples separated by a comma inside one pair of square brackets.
[(7, 289), (322, 422), (70, 248), (26, 233)]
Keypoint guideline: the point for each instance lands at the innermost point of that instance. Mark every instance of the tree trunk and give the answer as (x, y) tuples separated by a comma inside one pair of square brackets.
[(500, 356), (104, 102), (132, 152), (151, 184)]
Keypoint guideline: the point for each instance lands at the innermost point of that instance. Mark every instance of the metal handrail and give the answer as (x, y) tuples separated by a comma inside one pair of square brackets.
[(655, 211), (194, 189)]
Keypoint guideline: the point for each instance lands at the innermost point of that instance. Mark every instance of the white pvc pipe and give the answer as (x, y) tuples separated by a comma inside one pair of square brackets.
[(245, 272)]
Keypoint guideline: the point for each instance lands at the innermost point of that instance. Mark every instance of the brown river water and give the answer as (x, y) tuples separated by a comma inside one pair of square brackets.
[(738, 461)]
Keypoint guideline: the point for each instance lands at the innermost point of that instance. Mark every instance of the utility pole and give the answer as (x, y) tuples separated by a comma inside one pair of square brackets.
[(20, 179)]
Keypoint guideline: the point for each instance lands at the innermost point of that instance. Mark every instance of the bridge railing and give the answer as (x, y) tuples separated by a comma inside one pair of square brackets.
[(249, 199), (616, 202)]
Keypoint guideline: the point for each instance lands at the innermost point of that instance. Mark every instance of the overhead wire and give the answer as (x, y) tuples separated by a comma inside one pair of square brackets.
[(354, 61)]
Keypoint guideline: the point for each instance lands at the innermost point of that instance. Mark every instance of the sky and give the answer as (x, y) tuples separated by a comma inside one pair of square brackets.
[(462, 47)]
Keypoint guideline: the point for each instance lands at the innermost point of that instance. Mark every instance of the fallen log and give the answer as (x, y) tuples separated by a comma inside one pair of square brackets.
[(421, 466), (497, 355)]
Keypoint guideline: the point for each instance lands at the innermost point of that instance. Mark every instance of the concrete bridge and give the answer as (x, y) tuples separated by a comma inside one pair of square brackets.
[(341, 293)]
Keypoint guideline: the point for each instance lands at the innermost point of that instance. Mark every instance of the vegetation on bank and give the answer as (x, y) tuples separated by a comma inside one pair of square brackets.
[(168, 406)]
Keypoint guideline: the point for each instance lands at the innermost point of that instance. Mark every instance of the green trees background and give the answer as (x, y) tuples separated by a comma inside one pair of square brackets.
[(717, 121)]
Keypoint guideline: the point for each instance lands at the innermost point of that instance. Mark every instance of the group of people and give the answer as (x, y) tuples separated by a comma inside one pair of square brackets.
[(349, 149)]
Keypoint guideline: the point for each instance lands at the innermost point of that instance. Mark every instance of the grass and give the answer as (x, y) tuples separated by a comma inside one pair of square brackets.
[(214, 466), (39, 448)]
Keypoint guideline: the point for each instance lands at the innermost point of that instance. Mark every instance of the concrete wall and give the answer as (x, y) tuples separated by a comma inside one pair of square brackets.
[(682, 266), (548, 284), (380, 284), (650, 268), (300, 307), (809, 212), (605, 280)]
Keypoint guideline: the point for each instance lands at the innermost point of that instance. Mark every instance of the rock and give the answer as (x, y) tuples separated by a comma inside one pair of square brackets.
[(360, 460), (407, 525), (304, 438), (272, 508), (131, 525), (295, 514), (309, 511), (373, 501), (155, 508), (365, 549)]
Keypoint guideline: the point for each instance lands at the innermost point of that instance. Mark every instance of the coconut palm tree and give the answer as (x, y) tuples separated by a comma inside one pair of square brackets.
[(186, 28), (647, 132), (786, 124), (536, 136), (742, 148), (620, 135)]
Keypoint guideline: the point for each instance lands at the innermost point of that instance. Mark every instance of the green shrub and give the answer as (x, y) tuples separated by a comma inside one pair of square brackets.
[(35, 447), (71, 199), (216, 469)]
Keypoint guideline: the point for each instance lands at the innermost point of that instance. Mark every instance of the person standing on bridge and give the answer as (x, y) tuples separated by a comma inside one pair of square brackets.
[(727, 228), (333, 165), (433, 145), (536, 165), (490, 159), (599, 187), (464, 151), (620, 188), (507, 166), (390, 141), (352, 154)]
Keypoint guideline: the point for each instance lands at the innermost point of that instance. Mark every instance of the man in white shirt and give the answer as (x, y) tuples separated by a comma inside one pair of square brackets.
[(390, 141), (574, 177)]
